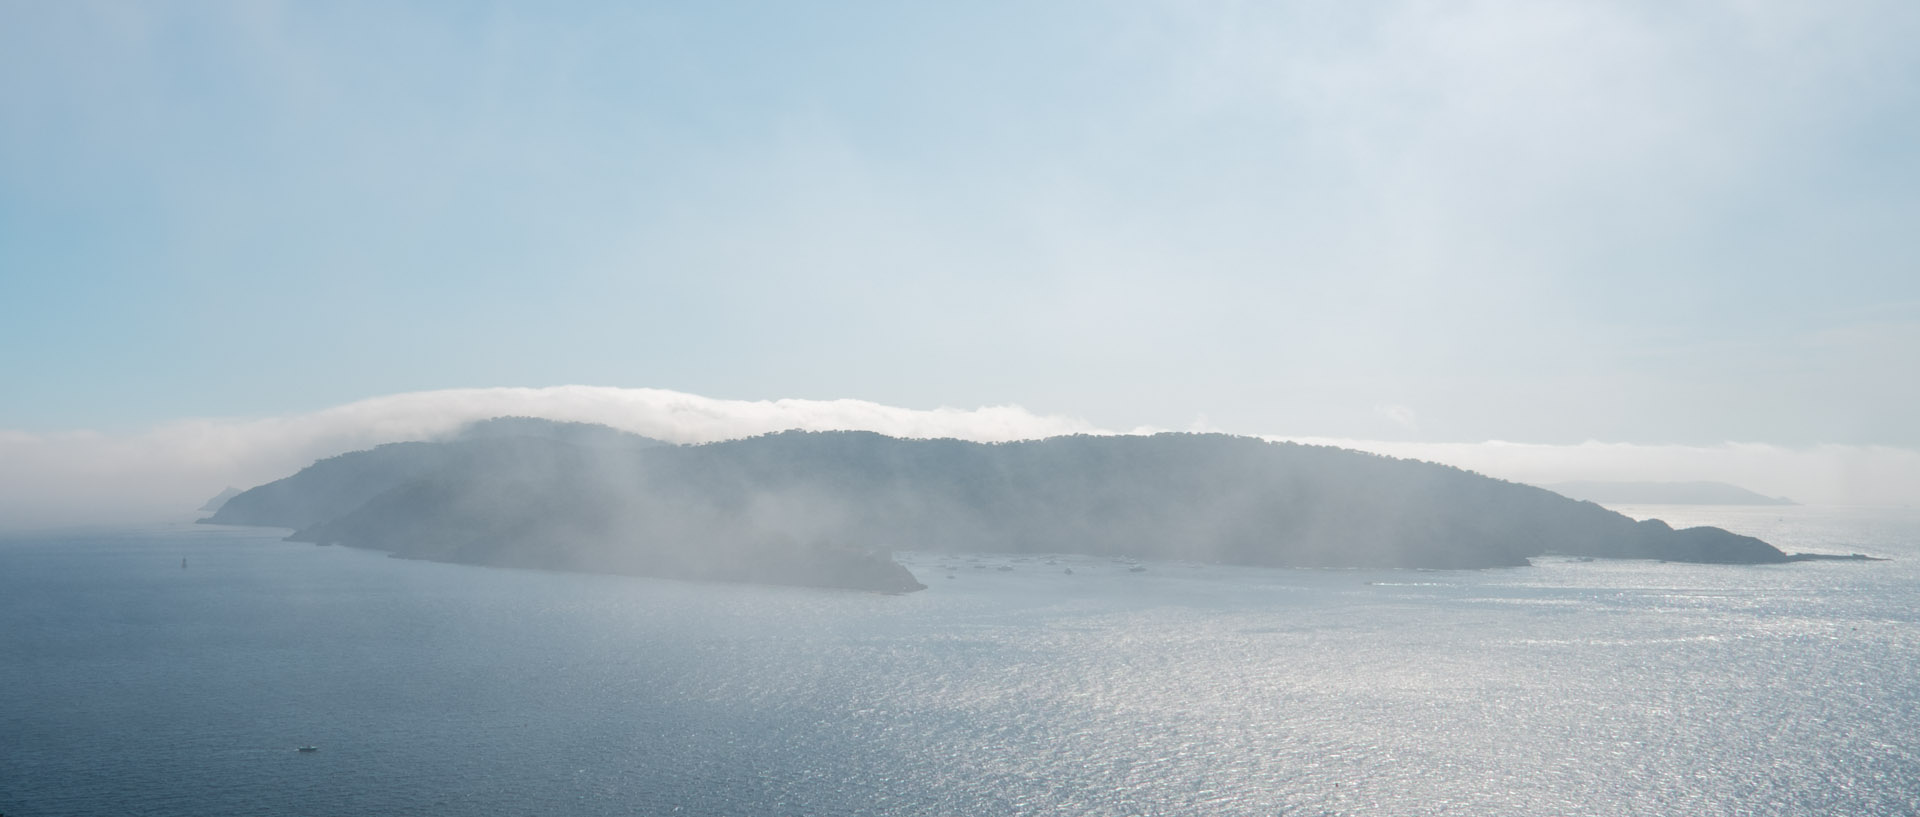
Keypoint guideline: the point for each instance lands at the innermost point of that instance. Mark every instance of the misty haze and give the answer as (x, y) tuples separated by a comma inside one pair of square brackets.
[(1302, 408)]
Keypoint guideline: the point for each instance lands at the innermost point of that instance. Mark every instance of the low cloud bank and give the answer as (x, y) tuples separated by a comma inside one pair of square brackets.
[(162, 475), (88, 478)]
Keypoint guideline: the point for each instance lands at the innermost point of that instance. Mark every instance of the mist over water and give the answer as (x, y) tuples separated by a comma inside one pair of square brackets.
[(137, 686), (1542, 242)]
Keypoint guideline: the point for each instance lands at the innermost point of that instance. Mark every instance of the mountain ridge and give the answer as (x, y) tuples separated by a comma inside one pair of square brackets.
[(827, 508)]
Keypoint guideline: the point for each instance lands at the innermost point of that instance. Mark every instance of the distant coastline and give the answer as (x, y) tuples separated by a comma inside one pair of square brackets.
[(1663, 493)]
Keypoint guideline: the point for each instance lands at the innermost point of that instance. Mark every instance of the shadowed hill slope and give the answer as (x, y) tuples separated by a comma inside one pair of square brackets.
[(1206, 497), (503, 445)]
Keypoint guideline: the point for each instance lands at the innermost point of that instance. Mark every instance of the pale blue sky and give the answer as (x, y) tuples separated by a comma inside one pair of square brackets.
[(1448, 221)]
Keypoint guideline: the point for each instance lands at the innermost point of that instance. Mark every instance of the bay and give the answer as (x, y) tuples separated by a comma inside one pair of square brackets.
[(132, 685)]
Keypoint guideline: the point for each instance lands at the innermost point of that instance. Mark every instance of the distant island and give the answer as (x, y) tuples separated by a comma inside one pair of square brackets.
[(213, 505), (1663, 493), (827, 508)]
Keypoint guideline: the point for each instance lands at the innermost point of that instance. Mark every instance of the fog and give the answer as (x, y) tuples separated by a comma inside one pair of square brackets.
[(1123, 283), (164, 473)]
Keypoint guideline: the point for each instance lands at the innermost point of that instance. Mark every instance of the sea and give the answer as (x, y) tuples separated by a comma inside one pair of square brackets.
[(178, 670)]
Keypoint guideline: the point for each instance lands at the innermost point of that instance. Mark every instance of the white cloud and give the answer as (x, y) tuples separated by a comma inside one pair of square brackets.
[(1398, 415), (86, 477)]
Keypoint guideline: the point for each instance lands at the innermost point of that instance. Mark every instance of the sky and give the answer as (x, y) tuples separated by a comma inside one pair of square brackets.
[(1681, 231)]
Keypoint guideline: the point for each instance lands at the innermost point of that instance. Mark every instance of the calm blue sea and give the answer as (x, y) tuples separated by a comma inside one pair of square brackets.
[(132, 686)]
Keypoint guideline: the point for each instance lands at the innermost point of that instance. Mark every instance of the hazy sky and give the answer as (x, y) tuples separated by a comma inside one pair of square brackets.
[(1636, 223)]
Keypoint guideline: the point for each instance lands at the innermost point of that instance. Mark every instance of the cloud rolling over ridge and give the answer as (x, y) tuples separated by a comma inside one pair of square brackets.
[(84, 477), (162, 474)]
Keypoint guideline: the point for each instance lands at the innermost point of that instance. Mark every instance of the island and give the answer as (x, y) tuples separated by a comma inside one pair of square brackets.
[(828, 508)]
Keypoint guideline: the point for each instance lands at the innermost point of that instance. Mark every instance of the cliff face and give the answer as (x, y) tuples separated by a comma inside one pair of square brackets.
[(825, 508)]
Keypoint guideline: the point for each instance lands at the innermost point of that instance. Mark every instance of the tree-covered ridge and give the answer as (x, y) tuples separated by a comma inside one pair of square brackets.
[(826, 508), (1207, 497), (336, 485)]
